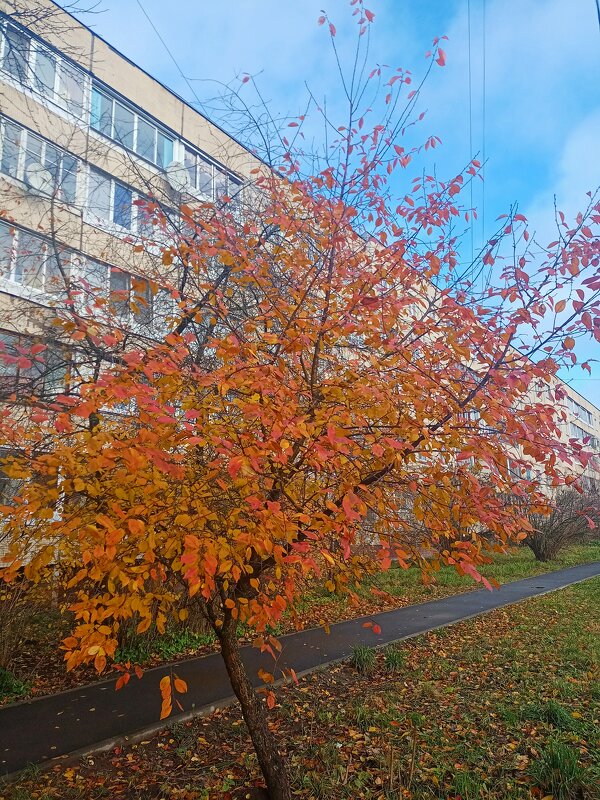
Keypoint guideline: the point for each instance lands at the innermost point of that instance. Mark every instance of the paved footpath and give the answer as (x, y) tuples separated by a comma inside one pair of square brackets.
[(79, 720)]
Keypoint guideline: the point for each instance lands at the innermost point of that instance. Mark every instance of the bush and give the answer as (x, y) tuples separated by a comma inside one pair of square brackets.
[(19, 604), (568, 522)]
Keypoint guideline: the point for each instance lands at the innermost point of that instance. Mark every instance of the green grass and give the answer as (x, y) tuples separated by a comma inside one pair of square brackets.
[(407, 584), (558, 772), (363, 659), (519, 563), (11, 687), (172, 644)]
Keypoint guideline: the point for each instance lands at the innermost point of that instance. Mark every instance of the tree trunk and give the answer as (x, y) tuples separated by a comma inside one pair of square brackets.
[(253, 710)]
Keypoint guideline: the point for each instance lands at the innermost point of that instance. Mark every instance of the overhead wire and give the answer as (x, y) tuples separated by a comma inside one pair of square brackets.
[(170, 53), (483, 156), (470, 128)]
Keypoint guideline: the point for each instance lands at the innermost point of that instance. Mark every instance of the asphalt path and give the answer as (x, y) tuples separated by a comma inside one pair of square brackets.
[(82, 719)]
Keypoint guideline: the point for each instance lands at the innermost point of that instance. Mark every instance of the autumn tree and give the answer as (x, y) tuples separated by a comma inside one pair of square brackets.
[(329, 367)]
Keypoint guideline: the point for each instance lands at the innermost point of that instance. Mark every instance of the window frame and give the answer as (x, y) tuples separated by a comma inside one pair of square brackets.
[(98, 89), (59, 96), (114, 184), (26, 136), (48, 260), (21, 381)]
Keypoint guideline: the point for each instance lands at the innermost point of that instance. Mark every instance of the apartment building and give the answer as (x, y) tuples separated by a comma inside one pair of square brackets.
[(86, 136)]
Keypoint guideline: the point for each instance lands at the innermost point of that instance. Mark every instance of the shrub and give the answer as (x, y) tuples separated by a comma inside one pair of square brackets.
[(567, 522)]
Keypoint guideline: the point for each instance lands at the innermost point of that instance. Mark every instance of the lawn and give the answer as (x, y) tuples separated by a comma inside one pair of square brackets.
[(39, 669), (406, 587), (505, 707)]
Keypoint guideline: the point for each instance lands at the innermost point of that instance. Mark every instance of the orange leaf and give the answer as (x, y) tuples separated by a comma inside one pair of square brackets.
[(180, 685)]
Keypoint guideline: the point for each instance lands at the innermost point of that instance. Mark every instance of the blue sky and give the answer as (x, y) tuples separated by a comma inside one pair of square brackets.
[(542, 82)]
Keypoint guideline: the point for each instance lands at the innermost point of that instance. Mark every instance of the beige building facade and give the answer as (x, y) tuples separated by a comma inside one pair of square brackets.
[(86, 138)]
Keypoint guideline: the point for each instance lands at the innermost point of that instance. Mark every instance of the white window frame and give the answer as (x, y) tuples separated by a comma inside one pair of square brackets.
[(57, 102), (129, 320), (51, 347), (24, 146), (137, 116), (14, 286), (109, 225), (217, 170)]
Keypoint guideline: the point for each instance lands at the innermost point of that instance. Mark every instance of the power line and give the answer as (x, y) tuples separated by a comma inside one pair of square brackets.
[(483, 128), (173, 59), (470, 125)]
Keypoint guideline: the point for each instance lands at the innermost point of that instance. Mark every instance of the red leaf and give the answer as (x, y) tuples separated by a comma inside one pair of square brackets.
[(376, 630), (332, 30), (321, 20), (369, 15), (234, 466), (441, 59)]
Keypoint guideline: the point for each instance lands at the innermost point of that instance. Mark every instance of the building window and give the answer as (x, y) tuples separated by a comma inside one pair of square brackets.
[(122, 206), (110, 200), (22, 150), (27, 370), (33, 262), (124, 126), (130, 129), (11, 148), (209, 180), (579, 433), (43, 71), (201, 173), (9, 487), (130, 298), (16, 55), (579, 411)]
